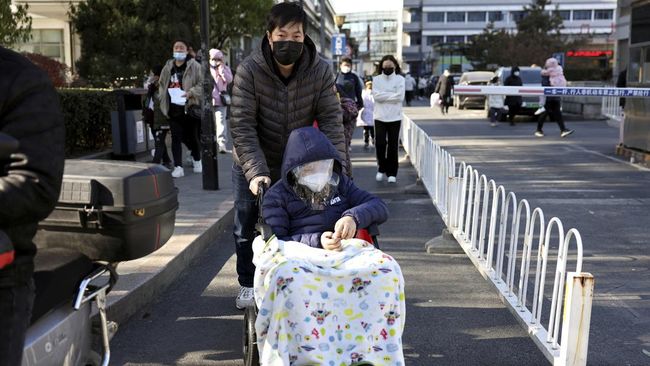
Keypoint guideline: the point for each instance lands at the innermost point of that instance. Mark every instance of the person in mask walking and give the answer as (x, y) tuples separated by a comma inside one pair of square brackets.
[(349, 87), (180, 88), (388, 90), (282, 86), (444, 87), (222, 76), (410, 86), (513, 102)]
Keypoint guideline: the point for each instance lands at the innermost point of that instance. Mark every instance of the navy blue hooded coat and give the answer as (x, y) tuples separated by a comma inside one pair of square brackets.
[(292, 219)]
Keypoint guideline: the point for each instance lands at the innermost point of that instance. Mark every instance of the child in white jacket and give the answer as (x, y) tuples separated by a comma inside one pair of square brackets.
[(496, 104), (365, 118)]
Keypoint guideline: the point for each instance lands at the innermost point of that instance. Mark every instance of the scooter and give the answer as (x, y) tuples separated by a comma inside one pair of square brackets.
[(92, 229), (67, 283)]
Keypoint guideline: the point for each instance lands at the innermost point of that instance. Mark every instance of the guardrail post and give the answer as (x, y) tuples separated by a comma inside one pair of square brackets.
[(577, 316)]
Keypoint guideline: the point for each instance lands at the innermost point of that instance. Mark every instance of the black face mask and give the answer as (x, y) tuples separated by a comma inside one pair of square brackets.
[(287, 52), (388, 71)]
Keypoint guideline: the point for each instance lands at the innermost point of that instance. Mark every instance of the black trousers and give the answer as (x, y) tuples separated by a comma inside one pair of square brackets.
[(161, 154), (554, 112), (386, 146), (368, 133), (513, 110), (16, 302), (185, 130)]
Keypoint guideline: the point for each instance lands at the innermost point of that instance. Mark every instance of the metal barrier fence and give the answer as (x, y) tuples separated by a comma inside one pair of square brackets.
[(611, 108), (478, 213)]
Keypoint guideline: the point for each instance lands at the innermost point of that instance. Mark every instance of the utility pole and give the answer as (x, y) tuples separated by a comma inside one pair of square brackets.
[(322, 27), (208, 134)]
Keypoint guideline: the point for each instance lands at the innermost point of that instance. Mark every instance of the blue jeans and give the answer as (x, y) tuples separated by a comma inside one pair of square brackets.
[(16, 301), (244, 228)]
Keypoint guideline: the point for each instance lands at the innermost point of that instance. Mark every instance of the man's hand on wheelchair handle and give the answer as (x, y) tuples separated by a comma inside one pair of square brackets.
[(254, 183)]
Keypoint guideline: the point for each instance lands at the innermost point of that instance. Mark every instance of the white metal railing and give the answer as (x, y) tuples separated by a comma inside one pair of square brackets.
[(611, 108), (478, 212)]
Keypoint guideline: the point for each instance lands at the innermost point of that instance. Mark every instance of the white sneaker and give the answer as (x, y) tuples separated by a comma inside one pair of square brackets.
[(539, 133), (178, 172), (379, 177), (198, 167), (245, 298), (566, 133), (540, 110), (392, 179)]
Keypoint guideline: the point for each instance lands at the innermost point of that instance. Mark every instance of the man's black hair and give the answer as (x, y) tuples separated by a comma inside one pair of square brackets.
[(284, 13), (346, 60)]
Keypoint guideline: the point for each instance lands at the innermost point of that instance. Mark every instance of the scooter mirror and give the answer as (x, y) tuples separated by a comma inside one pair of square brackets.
[(8, 146)]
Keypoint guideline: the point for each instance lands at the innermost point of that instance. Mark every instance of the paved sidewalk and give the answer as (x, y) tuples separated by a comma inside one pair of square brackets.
[(453, 316), (581, 181), (200, 217)]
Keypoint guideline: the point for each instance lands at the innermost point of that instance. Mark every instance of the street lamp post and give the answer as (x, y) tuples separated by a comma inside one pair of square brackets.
[(208, 140), (340, 20)]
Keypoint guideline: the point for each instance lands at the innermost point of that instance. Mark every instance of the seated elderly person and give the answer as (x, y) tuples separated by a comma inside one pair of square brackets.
[(314, 203), (342, 305)]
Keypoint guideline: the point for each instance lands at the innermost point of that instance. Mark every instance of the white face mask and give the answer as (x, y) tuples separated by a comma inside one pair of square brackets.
[(516, 73), (345, 69), (315, 182)]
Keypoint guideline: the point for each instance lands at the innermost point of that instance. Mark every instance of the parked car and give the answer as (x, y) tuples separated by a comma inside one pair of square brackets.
[(530, 76), (472, 78)]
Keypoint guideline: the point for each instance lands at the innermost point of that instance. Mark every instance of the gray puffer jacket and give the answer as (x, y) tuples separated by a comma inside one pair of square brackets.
[(264, 110)]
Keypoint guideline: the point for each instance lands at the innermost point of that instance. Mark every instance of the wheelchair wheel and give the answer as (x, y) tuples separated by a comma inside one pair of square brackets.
[(251, 355)]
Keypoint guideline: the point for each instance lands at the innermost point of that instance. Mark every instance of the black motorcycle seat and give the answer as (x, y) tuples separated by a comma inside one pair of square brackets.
[(57, 274)]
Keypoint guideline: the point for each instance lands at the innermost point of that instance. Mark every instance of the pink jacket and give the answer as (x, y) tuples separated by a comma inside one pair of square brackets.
[(554, 71), (222, 76)]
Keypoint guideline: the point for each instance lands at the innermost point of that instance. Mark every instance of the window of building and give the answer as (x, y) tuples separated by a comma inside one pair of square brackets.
[(416, 38), (455, 39), (495, 16), (436, 17), (416, 15), (431, 40), (517, 15), (603, 14), (47, 42), (455, 16), (564, 14), (476, 16), (634, 69), (646, 65), (582, 15)]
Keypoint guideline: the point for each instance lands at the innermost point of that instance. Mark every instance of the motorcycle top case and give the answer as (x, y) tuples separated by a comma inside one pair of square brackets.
[(111, 210)]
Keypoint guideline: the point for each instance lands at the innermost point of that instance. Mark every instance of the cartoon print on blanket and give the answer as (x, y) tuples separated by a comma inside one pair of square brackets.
[(320, 307)]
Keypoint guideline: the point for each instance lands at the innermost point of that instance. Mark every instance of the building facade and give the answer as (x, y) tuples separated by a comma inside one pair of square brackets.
[(432, 28), (52, 32), (374, 35)]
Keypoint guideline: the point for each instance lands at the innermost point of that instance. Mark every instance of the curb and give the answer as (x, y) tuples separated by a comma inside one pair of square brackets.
[(144, 292)]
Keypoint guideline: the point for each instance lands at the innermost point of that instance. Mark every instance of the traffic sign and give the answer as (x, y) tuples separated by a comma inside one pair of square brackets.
[(338, 44)]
